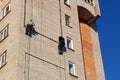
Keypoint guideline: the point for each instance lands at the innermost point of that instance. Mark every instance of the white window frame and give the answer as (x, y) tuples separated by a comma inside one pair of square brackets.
[(3, 57), (0, 36), (67, 20), (5, 11), (4, 33), (67, 2), (70, 43), (72, 70)]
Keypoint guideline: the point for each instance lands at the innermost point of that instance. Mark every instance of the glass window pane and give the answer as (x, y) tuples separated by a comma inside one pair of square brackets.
[(67, 20), (71, 68), (69, 43)]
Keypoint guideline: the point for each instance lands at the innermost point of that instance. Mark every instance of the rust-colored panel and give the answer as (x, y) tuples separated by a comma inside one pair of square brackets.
[(88, 52)]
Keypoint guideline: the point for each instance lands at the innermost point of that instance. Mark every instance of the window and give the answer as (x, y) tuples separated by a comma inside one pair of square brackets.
[(4, 33), (3, 59), (89, 1), (67, 2), (67, 20), (69, 43), (6, 10), (1, 36), (72, 68)]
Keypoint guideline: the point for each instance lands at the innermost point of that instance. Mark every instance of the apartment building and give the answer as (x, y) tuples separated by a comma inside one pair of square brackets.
[(50, 40)]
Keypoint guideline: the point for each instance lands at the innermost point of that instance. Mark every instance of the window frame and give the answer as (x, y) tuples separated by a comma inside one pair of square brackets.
[(67, 2), (4, 33), (72, 70), (91, 2), (67, 20), (3, 57), (70, 45), (5, 11)]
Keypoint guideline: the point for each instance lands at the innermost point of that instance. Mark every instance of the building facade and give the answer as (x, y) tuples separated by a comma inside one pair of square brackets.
[(49, 40)]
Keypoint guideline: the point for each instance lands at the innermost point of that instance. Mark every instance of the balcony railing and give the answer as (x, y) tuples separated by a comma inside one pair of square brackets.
[(89, 2)]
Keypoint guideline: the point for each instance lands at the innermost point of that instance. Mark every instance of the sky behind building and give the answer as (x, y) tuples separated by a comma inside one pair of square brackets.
[(109, 35)]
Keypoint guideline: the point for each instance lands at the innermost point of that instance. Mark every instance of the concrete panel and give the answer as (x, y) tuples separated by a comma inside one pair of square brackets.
[(88, 52), (43, 70), (97, 53)]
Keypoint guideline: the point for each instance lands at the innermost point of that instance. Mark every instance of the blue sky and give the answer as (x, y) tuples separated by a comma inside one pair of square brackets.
[(109, 35)]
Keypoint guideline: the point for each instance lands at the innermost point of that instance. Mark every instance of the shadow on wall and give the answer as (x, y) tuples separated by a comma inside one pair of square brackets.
[(87, 17), (94, 26)]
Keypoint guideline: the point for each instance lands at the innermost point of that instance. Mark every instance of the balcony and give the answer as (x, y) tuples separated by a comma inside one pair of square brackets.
[(85, 15), (88, 10), (91, 2)]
